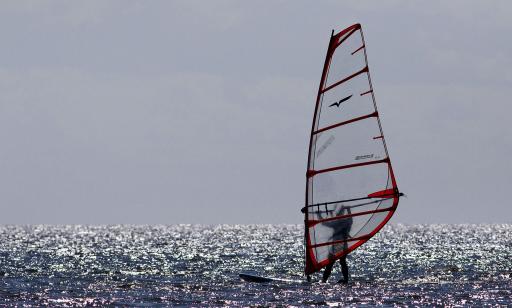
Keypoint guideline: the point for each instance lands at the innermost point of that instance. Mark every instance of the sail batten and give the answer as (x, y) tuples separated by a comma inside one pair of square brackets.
[(373, 114), (351, 191), (364, 70), (349, 200), (315, 172), (359, 238), (314, 222)]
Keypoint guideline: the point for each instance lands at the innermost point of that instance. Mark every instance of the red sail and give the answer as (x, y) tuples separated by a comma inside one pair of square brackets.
[(351, 191)]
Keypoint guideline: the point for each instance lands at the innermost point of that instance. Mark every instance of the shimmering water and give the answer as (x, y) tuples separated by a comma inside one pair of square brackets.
[(195, 265)]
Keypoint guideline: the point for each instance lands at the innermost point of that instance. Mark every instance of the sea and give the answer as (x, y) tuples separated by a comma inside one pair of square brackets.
[(199, 266)]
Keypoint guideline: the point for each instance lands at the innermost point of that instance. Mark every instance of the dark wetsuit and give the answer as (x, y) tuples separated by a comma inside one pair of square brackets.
[(341, 232)]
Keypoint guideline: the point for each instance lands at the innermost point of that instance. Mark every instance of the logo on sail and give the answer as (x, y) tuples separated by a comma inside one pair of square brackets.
[(324, 146), (337, 104), (359, 157)]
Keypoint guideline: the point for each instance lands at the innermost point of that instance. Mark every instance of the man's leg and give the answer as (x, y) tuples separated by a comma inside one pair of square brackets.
[(327, 272), (344, 269)]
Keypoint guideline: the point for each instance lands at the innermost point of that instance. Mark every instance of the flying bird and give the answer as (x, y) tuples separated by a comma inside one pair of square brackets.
[(340, 101)]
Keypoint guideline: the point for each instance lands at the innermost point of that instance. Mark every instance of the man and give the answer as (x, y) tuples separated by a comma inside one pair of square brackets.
[(340, 232)]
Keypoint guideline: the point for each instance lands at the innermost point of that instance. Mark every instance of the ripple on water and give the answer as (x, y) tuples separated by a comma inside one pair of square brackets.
[(199, 265)]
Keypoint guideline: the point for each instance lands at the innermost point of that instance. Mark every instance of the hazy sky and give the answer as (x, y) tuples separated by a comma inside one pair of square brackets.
[(199, 111)]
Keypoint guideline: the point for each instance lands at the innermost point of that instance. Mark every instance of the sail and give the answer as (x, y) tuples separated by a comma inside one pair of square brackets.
[(351, 191)]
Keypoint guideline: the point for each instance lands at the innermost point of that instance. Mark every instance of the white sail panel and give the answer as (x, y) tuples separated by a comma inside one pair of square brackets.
[(349, 144), (351, 183), (332, 111), (347, 59)]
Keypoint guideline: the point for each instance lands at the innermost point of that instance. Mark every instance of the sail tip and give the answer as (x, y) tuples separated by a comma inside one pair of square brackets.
[(347, 31)]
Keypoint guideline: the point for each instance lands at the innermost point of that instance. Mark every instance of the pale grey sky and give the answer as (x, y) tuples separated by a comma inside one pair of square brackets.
[(199, 111)]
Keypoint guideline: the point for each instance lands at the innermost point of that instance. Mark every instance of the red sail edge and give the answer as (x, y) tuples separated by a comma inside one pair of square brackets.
[(328, 150)]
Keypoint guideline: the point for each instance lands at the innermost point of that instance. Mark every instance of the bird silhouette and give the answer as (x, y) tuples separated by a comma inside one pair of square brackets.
[(340, 101)]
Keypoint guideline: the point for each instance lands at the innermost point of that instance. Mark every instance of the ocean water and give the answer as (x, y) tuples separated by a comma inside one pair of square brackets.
[(197, 265)]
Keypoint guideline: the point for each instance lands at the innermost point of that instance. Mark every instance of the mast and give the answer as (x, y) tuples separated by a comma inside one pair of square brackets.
[(318, 97)]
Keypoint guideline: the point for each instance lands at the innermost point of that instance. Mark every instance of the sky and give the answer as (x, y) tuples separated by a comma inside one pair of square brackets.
[(167, 112)]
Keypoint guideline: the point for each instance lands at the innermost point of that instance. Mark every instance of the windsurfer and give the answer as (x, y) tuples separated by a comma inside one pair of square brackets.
[(348, 163), (340, 232)]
